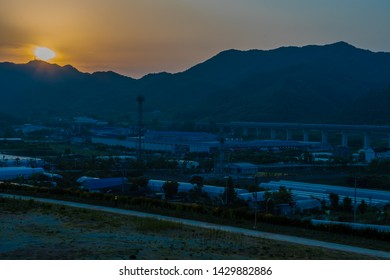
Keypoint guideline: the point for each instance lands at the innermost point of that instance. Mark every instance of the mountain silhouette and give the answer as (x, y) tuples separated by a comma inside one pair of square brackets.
[(336, 83)]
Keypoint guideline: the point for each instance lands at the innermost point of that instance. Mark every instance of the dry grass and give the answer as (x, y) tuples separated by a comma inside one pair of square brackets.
[(38, 231)]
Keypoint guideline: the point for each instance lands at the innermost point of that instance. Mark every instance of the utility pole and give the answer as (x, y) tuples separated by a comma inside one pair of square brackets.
[(354, 208), (226, 189), (140, 100), (221, 156)]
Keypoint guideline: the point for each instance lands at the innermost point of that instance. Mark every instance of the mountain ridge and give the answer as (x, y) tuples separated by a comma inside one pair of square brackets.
[(290, 84)]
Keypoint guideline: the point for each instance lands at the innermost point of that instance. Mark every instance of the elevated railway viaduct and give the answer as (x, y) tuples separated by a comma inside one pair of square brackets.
[(366, 131)]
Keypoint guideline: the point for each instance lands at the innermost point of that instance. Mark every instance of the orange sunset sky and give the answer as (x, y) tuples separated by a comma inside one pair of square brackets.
[(136, 37)]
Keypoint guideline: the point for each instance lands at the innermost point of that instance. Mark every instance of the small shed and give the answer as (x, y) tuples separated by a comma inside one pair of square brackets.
[(104, 184), (185, 187), (187, 164), (307, 204), (82, 179), (213, 191), (241, 168), (252, 197), (157, 186)]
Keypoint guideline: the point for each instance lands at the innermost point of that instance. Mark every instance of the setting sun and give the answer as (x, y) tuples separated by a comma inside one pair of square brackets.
[(44, 53)]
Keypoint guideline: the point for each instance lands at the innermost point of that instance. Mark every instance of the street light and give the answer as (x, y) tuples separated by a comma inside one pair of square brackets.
[(266, 204), (255, 204), (226, 188)]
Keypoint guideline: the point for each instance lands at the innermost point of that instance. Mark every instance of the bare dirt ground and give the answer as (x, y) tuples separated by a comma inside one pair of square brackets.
[(66, 233)]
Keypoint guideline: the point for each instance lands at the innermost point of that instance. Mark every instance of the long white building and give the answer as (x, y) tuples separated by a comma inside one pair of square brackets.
[(302, 190), (212, 191), (12, 173), (12, 160)]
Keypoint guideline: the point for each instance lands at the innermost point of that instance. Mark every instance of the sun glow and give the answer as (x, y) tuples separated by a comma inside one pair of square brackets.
[(44, 53)]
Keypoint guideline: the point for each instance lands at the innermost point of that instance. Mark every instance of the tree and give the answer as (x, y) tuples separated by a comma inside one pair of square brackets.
[(282, 196), (334, 200), (196, 193), (198, 180), (347, 204), (139, 182), (170, 188), (362, 207)]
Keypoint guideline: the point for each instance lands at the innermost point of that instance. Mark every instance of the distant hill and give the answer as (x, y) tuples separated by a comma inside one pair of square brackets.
[(6, 124), (335, 83)]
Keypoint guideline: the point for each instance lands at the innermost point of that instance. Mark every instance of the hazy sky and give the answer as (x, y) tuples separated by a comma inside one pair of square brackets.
[(136, 37)]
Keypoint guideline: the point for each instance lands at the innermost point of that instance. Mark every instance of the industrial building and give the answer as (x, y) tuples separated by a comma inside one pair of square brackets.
[(11, 160), (241, 168), (375, 153), (303, 191), (103, 185), (12, 173), (176, 142), (213, 192)]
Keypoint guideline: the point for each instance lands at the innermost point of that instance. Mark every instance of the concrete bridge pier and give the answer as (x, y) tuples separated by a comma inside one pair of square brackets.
[(324, 137), (305, 136), (344, 139), (273, 133), (288, 134), (389, 142), (245, 132), (367, 140)]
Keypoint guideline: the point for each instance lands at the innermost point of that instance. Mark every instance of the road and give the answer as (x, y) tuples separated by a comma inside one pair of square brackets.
[(247, 232)]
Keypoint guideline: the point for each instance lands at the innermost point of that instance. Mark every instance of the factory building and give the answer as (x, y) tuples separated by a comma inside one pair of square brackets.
[(176, 141)]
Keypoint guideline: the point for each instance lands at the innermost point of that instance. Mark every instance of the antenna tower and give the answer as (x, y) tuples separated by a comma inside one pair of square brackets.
[(140, 100)]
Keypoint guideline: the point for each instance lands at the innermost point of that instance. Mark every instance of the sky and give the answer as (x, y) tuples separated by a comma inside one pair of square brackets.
[(137, 37)]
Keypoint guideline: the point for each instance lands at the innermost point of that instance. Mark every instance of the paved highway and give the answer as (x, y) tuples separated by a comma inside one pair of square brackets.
[(248, 232)]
